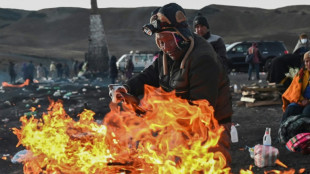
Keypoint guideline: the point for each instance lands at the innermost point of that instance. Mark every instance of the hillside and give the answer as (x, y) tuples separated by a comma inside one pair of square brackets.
[(63, 32)]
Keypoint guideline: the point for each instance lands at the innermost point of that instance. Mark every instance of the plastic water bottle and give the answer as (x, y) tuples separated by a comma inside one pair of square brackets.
[(267, 137), (235, 88), (234, 134)]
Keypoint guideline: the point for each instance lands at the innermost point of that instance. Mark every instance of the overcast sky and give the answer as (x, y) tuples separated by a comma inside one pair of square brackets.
[(187, 4)]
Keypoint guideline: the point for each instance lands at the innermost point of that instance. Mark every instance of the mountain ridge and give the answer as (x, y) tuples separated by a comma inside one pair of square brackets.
[(63, 32)]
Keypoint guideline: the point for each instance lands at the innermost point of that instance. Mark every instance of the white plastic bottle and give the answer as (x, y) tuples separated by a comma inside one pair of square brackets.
[(267, 137), (234, 134), (235, 88)]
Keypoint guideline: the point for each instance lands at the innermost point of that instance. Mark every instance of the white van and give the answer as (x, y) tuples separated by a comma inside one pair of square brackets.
[(140, 61)]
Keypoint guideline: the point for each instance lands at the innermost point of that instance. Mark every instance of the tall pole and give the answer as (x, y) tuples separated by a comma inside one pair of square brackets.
[(94, 7), (98, 54)]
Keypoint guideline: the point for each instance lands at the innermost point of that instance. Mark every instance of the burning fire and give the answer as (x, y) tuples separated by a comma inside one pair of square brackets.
[(172, 136), (6, 84)]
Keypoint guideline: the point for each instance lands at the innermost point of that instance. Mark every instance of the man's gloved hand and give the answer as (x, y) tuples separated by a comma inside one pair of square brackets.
[(115, 91)]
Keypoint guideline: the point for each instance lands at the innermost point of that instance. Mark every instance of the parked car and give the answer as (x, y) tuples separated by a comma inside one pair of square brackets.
[(237, 51), (140, 61)]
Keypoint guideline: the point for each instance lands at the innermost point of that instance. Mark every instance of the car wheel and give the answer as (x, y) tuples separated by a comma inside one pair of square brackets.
[(228, 67), (267, 65)]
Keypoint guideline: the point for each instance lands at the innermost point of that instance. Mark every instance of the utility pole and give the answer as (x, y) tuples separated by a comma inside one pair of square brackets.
[(98, 54)]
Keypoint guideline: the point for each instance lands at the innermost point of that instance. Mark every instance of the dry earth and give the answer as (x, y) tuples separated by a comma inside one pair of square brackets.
[(93, 95)]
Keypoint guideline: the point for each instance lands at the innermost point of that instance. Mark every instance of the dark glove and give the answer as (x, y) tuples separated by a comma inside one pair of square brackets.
[(134, 102)]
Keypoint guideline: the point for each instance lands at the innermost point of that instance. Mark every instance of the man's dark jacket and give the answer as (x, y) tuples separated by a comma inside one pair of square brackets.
[(203, 77), (218, 44)]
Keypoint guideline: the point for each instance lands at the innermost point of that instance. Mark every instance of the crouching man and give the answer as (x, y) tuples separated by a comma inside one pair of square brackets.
[(187, 64)]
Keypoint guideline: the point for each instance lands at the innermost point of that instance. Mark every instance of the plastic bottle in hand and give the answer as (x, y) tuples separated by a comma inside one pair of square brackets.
[(234, 134), (267, 137)]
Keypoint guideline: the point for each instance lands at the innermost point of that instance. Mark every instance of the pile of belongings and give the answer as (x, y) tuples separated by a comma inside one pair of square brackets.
[(295, 133)]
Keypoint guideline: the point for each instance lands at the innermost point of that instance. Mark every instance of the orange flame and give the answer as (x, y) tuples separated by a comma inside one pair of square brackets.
[(174, 136), (249, 171), (280, 163), (61, 145), (290, 171), (6, 84)]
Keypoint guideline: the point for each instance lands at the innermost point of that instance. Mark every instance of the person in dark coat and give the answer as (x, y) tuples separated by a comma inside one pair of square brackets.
[(30, 69), (12, 72), (24, 71), (129, 67), (187, 65), (59, 70), (202, 28), (75, 68), (302, 45), (281, 64), (66, 70), (113, 70)]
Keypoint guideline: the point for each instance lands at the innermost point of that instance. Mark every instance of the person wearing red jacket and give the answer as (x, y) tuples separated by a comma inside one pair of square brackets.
[(255, 62)]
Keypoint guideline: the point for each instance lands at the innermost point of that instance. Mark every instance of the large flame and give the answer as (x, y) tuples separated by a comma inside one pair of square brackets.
[(60, 144), (172, 136)]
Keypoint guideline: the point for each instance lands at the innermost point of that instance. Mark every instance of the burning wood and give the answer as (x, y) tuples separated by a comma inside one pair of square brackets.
[(173, 137)]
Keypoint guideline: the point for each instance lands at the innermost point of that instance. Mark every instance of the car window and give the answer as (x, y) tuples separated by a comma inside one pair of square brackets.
[(241, 48), (271, 46)]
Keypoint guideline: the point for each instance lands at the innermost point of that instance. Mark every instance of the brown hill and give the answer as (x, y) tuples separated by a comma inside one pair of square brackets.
[(63, 32)]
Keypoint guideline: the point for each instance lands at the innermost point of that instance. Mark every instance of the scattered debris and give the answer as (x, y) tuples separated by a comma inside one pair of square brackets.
[(5, 120), (57, 93), (8, 103)]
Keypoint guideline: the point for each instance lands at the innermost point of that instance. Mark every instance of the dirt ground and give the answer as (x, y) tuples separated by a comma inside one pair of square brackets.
[(93, 95)]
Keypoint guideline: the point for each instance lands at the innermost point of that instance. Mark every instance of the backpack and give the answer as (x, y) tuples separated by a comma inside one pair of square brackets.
[(249, 58), (299, 143), (292, 126)]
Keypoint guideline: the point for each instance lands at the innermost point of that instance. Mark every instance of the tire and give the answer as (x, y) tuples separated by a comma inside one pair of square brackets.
[(267, 65)]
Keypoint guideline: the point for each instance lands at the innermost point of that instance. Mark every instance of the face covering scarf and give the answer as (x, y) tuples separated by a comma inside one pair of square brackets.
[(303, 41)]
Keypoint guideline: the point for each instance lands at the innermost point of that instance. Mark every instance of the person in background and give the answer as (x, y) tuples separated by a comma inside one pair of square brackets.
[(30, 71), (302, 45), (296, 98), (182, 66), (59, 69), (113, 70), (255, 62), (129, 67), (46, 72), (280, 65), (12, 72), (40, 71), (75, 67), (24, 71), (202, 28), (53, 71), (66, 71)]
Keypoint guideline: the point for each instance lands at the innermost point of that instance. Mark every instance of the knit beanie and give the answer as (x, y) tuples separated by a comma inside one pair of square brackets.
[(170, 17), (174, 15), (199, 19)]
